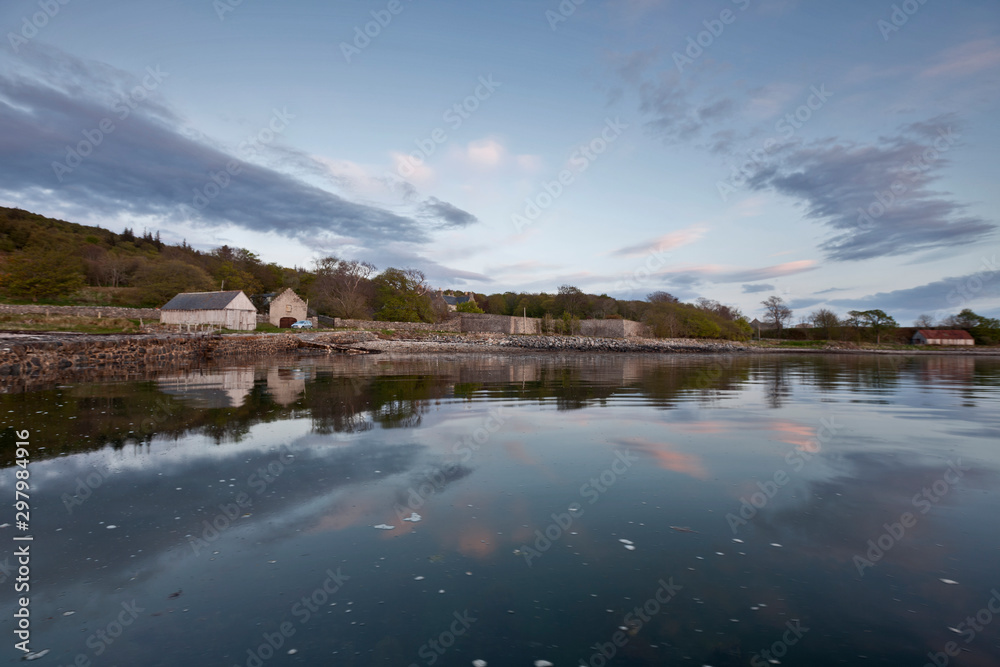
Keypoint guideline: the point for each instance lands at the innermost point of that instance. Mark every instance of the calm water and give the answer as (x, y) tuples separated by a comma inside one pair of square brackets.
[(828, 510)]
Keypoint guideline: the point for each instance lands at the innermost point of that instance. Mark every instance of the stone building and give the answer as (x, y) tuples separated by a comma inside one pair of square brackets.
[(286, 308)]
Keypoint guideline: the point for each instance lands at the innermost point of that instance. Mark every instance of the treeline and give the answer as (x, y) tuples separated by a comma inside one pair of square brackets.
[(54, 261), (873, 325), (63, 262)]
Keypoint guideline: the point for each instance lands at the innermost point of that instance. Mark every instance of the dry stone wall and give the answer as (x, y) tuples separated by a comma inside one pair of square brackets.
[(454, 325), (82, 311)]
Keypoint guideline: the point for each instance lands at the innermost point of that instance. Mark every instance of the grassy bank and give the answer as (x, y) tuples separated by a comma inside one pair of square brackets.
[(35, 322)]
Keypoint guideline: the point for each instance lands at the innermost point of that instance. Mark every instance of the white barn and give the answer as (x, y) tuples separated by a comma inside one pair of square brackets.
[(230, 310), (942, 337), (286, 305)]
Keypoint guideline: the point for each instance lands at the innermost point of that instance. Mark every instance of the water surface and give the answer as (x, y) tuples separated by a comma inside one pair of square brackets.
[(814, 507)]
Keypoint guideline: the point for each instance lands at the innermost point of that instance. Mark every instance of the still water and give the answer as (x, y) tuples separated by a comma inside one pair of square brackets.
[(620, 510)]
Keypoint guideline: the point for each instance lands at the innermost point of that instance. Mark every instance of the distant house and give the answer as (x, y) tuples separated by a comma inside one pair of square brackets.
[(287, 308), (942, 337), (230, 310), (453, 301)]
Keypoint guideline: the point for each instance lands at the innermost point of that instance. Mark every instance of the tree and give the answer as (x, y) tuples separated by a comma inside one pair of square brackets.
[(401, 295), (964, 320), (661, 297), (986, 330), (343, 288), (776, 312), (924, 321), (469, 306), (163, 281), (571, 300), (825, 319), (877, 321), (38, 273)]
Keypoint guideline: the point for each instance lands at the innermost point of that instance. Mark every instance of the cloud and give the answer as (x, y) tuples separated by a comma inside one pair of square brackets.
[(450, 215), (754, 289), (145, 165), (775, 271), (948, 295), (485, 153), (690, 276), (674, 112), (968, 58), (877, 198), (663, 243)]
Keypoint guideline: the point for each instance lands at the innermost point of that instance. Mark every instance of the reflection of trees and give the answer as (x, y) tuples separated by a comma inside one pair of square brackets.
[(93, 415)]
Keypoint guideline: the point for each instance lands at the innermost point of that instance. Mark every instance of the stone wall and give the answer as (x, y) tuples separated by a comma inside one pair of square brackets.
[(82, 311), (453, 325), (613, 328), (63, 355), (502, 324)]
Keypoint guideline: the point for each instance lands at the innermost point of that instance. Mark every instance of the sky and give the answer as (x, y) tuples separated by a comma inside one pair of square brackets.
[(838, 155)]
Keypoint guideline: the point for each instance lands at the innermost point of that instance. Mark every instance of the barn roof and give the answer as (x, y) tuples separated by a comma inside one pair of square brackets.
[(201, 300), (945, 334)]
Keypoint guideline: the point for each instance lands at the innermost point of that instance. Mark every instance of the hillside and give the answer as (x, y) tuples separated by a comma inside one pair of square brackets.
[(54, 261)]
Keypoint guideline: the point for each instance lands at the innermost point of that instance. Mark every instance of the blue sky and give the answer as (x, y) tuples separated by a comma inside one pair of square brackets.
[(836, 154)]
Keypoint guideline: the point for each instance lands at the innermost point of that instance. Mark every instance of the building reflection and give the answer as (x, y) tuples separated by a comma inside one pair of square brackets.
[(221, 388)]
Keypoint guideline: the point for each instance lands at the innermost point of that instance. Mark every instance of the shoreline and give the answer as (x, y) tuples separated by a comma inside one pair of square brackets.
[(30, 360)]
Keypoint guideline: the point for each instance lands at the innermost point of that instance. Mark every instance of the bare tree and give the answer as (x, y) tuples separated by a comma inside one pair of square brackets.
[(825, 319), (776, 312), (344, 287), (924, 321), (661, 297)]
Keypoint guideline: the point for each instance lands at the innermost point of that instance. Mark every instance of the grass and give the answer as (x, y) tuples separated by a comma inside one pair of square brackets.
[(102, 325)]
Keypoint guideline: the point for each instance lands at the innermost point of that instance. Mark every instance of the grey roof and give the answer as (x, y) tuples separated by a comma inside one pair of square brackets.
[(455, 300), (201, 300)]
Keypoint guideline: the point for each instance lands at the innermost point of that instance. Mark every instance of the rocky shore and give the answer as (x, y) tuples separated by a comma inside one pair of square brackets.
[(38, 356), (513, 343)]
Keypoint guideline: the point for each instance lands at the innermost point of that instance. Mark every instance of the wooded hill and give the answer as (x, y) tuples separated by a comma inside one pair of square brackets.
[(53, 261)]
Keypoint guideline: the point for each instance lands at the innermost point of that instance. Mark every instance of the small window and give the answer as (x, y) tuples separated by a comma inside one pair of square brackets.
[(288, 308)]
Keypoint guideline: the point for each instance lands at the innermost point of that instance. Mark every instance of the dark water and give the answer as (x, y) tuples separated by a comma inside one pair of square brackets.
[(812, 507)]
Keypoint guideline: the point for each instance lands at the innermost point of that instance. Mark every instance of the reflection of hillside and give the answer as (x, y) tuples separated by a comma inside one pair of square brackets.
[(349, 395)]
